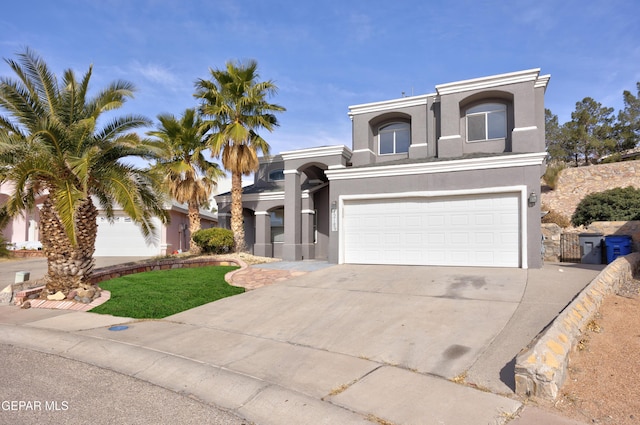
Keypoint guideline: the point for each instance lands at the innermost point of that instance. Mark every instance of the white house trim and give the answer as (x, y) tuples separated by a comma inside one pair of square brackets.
[(402, 102), (267, 196), (454, 136), (489, 82), (492, 162), (542, 81), (316, 152), (530, 128)]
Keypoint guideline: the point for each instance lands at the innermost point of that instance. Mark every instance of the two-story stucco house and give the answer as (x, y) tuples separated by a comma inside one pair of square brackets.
[(450, 178)]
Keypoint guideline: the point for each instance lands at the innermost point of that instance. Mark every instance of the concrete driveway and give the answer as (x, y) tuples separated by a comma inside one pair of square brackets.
[(432, 320)]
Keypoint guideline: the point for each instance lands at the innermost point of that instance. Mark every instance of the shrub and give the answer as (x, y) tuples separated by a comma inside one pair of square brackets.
[(555, 217), (616, 157), (4, 252), (619, 204), (215, 240), (552, 174)]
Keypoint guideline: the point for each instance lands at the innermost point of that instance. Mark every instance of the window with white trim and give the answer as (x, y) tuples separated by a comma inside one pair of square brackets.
[(394, 138), (486, 122)]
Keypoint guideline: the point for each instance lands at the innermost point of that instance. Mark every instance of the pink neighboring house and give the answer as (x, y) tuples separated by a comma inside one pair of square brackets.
[(120, 238)]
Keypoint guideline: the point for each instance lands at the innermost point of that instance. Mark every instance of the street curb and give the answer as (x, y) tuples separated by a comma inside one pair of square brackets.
[(246, 396), (541, 368)]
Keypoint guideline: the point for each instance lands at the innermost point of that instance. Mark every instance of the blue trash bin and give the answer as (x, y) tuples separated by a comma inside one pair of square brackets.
[(617, 246)]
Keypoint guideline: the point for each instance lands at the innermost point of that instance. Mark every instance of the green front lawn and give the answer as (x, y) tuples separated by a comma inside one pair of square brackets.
[(158, 294)]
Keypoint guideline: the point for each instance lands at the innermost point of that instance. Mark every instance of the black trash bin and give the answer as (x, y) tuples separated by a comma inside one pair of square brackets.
[(617, 246), (590, 248)]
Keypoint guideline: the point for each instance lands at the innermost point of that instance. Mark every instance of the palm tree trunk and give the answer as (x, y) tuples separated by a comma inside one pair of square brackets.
[(69, 266), (237, 221), (194, 226)]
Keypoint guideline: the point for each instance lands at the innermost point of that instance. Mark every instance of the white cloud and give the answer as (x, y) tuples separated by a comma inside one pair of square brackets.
[(155, 73), (361, 28)]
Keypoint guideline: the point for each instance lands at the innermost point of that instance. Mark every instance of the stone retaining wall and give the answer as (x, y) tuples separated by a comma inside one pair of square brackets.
[(551, 242), (541, 368), (575, 183)]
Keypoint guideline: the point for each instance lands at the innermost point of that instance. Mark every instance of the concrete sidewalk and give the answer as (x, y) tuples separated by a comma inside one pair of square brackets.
[(342, 344)]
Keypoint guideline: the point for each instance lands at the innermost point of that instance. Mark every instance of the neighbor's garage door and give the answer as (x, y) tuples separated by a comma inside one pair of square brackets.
[(123, 238), (469, 230)]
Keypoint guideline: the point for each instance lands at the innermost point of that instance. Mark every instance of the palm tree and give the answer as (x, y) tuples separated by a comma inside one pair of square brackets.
[(188, 176), (237, 105), (56, 145)]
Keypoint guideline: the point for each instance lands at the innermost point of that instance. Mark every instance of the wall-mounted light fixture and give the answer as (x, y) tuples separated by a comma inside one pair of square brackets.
[(533, 198)]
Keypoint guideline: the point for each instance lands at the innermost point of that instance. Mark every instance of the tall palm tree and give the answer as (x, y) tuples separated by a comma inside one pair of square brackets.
[(236, 103), (188, 176), (55, 143)]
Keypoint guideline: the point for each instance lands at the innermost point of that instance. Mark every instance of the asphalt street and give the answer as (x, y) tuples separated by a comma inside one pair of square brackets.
[(41, 388)]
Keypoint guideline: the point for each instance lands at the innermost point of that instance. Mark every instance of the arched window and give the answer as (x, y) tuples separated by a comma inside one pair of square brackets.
[(486, 122), (394, 138)]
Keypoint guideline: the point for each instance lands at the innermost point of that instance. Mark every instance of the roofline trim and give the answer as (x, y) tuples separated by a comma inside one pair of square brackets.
[(471, 164), (490, 81)]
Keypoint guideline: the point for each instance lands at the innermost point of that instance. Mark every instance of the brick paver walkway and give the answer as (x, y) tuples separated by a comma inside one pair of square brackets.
[(255, 277)]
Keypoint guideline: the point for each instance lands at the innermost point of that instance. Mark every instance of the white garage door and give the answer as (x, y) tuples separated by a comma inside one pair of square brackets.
[(123, 238), (469, 230)]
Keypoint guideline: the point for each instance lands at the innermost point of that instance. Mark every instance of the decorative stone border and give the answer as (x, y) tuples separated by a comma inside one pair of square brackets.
[(541, 368), (119, 270), (27, 253)]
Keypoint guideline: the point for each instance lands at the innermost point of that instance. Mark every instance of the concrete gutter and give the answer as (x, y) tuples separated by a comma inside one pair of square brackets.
[(541, 368)]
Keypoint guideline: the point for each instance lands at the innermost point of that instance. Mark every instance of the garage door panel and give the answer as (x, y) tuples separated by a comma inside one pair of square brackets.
[(123, 238), (471, 230)]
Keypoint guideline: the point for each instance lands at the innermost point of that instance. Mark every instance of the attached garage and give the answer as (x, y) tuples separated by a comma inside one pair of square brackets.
[(482, 229), (123, 238)]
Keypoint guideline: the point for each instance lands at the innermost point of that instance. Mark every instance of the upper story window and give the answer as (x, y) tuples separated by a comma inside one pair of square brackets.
[(486, 121), (276, 175), (394, 138)]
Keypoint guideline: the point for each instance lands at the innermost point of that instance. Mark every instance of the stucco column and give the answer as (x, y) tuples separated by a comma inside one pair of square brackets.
[(525, 134), (450, 143), (292, 248), (224, 220), (263, 247), (308, 244)]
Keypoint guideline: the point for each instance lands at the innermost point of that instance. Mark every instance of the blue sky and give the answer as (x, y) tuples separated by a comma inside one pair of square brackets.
[(327, 55)]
